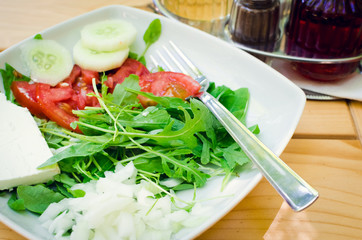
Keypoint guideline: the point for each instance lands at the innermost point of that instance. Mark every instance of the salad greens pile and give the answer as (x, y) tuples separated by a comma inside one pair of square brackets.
[(176, 144)]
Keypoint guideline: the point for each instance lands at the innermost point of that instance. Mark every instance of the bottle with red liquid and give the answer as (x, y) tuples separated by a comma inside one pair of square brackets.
[(325, 29)]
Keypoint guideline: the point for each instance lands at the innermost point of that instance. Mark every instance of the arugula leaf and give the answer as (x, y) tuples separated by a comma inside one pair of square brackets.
[(65, 179), (38, 36), (152, 34), (205, 154), (149, 164), (255, 129), (183, 187), (123, 97), (235, 101), (133, 55), (151, 118), (234, 156), (81, 149), (185, 135), (167, 102), (185, 169), (9, 75)]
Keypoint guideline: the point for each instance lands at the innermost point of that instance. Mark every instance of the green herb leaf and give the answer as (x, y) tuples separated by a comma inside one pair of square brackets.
[(81, 149), (167, 102), (205, 154), (186, 135), (133, 55), (234, 156), (15, 203), (235, 101), (37, 198), (9, 75), (77, 193), (38, 36), (185, 169), (149, 119), (152, 34), (65, 179), (123, 97), (255, 129)]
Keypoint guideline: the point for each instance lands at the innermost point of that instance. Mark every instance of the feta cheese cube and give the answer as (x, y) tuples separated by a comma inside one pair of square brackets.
[(22, 148)]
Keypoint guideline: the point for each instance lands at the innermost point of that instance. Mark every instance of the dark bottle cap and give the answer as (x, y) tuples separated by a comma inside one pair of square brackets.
[(258, 4)]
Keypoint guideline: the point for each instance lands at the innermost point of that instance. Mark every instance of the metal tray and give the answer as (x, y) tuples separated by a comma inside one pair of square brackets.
[(279, 51), (279, 48)]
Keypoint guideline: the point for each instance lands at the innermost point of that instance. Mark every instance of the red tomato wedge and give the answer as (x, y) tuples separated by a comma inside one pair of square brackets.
[(130, 66), (169, 84), (57, 103), (88, 75), (74, 74), (25, 95), (56, 111)]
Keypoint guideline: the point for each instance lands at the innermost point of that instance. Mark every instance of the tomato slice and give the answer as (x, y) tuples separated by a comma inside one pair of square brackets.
[(57, 103), (59, 112), (25, 95), (74, 74), (169, 84), (88, 75), (81, 89), (60, 94), (130, 66)]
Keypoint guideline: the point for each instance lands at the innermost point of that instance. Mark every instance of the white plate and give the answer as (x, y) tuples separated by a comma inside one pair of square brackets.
[(276, 104)]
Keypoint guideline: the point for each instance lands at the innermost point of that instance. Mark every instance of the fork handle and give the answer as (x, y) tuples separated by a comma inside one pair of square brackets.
[(294, 190)]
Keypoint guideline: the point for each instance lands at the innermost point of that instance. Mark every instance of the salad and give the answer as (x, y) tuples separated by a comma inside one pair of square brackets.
[(123, 136)]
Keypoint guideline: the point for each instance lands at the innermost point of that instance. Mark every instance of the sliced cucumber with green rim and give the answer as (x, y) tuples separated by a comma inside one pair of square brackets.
[(98, 61), (108, 35), (48, 61)]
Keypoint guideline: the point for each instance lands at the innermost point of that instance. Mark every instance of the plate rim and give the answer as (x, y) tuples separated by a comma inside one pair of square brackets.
[(7, 221)]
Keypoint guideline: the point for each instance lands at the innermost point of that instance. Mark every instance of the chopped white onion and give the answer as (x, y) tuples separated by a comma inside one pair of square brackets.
[(115, 207)]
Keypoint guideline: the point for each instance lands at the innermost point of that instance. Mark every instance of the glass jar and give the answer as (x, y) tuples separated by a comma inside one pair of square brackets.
[(326, 29), (255, 23)]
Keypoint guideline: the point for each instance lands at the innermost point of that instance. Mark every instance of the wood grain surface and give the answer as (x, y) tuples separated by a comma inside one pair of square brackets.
[(325, 149)]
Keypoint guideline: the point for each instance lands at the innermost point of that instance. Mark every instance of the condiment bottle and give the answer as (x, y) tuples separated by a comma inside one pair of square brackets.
[(255, 23), (325, 29)]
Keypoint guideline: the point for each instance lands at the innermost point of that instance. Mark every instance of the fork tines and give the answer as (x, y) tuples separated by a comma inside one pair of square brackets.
[(175, 60)]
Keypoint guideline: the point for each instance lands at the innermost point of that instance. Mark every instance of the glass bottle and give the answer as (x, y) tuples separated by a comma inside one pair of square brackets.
[(325, 29), (255, 23)]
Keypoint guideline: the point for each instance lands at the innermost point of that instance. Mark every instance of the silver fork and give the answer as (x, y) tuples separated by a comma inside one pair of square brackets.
[(294, 190)]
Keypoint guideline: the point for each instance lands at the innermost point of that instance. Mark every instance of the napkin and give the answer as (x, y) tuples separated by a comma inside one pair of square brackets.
[(349, 88)]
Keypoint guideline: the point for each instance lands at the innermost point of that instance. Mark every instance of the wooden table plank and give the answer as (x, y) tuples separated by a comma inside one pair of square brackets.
[(250, 219), (356, 112), (21, 19), (327, 120), (8, 234), (334, 168)]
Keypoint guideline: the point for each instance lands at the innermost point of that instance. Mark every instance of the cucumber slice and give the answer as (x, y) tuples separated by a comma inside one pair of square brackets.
[(48, 61), (108, 35), (98, 61)]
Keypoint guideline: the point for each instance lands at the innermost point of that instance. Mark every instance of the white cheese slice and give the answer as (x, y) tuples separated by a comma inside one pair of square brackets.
[(22, 148)]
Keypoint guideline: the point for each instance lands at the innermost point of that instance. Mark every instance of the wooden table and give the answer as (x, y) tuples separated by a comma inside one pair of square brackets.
[(325, 149)]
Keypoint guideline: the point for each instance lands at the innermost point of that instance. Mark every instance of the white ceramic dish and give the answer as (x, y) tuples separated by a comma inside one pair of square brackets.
[(276, 104)]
